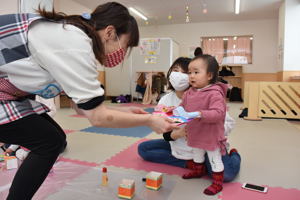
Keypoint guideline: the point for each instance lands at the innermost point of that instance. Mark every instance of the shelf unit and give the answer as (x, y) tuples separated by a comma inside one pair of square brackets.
[(237, 80)]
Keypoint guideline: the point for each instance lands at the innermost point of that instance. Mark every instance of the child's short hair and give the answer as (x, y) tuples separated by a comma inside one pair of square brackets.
[(212, 66), (183, 63)]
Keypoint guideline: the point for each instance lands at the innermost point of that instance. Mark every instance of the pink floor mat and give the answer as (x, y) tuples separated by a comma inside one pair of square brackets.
[(234, 191), (67, 131), (129, 158), (63, 172)]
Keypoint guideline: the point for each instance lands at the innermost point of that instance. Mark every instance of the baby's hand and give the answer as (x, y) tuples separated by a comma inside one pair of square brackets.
[(8, 151)]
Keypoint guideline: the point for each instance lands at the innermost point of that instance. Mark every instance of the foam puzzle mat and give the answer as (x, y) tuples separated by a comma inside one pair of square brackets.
[(77, 176), (88, 186), (141, 131)]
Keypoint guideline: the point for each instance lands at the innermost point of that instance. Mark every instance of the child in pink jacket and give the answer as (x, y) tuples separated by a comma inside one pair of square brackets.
[(205, 100)]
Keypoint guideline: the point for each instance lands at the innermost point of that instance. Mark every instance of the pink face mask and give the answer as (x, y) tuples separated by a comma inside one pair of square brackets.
[(115, 58)]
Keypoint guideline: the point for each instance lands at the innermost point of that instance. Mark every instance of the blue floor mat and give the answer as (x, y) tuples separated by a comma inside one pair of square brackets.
[(150, 110), (140, 131)]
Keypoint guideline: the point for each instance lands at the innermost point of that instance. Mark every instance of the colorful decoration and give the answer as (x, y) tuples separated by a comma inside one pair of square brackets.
[(168, 112), (150, 47), (187, 17)]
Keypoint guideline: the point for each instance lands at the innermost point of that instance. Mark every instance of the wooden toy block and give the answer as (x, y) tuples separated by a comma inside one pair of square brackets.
[(154, 180), (126, 189)]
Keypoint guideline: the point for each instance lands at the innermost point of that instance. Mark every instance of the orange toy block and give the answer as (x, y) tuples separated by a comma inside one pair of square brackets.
[(154, 180), (126, 189)]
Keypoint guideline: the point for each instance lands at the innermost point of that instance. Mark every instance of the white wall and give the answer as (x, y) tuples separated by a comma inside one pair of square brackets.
[(70, 7), (281, 25), (33, 5), (265, 34), (8, 7), (291, 36)]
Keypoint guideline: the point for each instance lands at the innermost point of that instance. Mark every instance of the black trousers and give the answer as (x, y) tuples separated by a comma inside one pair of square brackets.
[(45, 139)]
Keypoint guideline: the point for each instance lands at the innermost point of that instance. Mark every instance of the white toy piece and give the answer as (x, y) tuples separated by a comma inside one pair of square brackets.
[(11, 162), (21, 154), (179, 111)]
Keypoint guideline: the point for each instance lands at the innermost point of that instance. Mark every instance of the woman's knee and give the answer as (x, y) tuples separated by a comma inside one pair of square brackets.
[(51, 146), (142, 150)]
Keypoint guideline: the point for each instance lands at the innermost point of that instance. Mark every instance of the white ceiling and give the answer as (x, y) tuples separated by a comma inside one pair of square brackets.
[(218, 10)]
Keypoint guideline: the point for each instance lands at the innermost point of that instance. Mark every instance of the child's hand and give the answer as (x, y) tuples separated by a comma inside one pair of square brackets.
[(8, 151)]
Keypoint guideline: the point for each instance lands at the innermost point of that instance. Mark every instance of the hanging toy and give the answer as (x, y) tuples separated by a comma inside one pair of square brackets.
[(187, 19)]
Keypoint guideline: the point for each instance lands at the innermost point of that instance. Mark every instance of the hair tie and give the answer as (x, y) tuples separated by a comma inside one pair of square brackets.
[(86, 16)]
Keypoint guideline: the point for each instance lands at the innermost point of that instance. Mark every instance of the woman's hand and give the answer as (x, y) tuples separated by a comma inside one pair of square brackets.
[(178, 133), (161, 124)]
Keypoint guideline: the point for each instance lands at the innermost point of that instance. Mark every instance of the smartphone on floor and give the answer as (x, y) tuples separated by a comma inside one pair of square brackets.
[(256, 188)]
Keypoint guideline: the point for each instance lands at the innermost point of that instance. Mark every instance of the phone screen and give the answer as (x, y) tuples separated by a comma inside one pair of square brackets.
[(255, 187)]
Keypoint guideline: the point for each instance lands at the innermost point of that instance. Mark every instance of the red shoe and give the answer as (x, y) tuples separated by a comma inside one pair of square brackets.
[(217, 184), (190, 164), (199, 170), (233, 150)]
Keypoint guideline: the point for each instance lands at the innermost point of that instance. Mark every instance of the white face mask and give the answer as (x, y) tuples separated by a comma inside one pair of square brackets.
[(179, 81)]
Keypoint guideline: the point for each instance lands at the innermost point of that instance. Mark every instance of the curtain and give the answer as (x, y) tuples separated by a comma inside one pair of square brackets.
[(244, 48), (214, 47), (239, 50)]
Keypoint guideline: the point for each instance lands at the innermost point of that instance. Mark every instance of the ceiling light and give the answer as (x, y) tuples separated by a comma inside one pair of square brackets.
[(138, 13), (237, 6)]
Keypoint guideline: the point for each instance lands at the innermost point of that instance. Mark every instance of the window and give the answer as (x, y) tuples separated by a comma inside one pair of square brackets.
[(229, 50)]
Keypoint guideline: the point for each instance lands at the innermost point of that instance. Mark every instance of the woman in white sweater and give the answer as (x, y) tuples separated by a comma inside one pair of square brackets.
[(49, 53)]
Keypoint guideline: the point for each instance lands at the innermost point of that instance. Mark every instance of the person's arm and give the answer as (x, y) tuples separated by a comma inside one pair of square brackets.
[(104, 117), (130, 109), (12, 148), (216, 109)]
